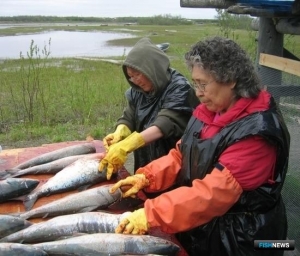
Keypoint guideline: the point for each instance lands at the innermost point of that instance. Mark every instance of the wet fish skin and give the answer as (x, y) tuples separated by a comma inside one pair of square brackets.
[(78, 175), (12, 188), (67, 226), (47, 168), (11, 249), (11, 224), (110, 244), (79, 149), (84, 201)]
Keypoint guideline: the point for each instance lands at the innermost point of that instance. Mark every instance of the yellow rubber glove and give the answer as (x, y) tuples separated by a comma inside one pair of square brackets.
[(117, 153), (121, 132), (136, 223), (137, 182)]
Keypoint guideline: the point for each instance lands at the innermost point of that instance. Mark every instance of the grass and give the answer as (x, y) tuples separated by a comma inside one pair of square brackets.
[(58, 99)]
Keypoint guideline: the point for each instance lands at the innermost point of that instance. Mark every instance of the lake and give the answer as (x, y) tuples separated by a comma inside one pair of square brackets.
[(64, 44)]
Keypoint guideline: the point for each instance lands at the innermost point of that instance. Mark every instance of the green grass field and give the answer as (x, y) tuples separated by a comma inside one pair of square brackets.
[(48, 99)]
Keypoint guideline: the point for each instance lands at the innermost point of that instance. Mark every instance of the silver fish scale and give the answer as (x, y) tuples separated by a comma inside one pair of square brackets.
[(83, 201), (50, 168), (81, 173), (11, 249), (110, 244), (80, 149), (66, 226)]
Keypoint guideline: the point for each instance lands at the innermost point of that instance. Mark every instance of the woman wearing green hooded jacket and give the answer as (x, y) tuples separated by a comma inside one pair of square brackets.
[(160, 103)]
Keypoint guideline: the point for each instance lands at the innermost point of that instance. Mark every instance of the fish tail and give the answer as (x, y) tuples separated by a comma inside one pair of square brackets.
[(29, 201), (8, 173)]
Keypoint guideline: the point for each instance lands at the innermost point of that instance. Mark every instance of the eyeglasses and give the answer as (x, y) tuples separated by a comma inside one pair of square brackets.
[(200, 86)]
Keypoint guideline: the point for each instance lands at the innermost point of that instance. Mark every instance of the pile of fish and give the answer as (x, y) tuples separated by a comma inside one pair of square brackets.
[(51, 162), (89, 233), (76, 226)]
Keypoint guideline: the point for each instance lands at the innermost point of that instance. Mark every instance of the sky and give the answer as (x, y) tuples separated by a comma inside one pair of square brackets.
[(102, 8)]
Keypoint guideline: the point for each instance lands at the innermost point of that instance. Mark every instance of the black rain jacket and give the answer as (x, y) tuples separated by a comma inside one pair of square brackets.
[(259, 214), (169, 106)]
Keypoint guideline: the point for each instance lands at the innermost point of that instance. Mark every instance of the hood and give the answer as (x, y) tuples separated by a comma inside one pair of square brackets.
[(148, 59)]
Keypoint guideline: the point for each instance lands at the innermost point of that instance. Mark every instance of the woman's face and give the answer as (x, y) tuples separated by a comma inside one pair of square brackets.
[(139, 79), (217, 97)]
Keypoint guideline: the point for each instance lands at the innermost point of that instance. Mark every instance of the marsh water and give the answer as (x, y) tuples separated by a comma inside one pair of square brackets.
[(64, 44)]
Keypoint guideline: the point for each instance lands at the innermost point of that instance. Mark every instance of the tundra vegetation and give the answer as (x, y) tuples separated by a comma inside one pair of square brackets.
[(46, 100)]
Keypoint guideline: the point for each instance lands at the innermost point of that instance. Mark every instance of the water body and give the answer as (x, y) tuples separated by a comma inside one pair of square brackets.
[(64, 44)]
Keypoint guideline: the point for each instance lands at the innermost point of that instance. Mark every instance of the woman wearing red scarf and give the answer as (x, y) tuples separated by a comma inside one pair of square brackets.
[(229, 166)]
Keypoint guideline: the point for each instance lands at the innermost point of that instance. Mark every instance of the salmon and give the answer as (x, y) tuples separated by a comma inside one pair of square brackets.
[(109, 244), (79, 175), (85, 148), (84, 201), (47, 168), (66, 226)]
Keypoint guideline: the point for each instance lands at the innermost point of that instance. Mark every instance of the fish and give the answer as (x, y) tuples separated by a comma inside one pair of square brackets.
[(109, 244), (11, 224), (12, 249), (12, 188), (84, 201), (65, 226), (79, 149), (48, 168), (80, 175)]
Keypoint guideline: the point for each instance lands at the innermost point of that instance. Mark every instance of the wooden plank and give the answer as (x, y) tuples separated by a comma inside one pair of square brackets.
[(279, 63)]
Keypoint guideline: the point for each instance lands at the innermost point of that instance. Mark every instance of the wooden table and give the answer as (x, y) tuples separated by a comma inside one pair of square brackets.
[(12, 157)]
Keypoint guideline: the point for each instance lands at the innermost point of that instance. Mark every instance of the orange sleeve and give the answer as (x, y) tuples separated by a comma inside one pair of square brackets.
[(187, 207), (163, 171)]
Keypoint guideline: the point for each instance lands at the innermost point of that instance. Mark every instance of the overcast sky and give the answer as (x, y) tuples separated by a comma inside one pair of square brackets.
[(102, 8)]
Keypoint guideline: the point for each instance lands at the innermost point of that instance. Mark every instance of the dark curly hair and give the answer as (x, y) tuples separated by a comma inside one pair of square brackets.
[(227, 62)]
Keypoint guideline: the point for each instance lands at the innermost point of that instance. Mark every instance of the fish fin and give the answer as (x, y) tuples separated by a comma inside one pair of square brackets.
[(19, 198), (28, 223), (87, 209), (29, 201), (46, 215), (84, 187), (9, 173)]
